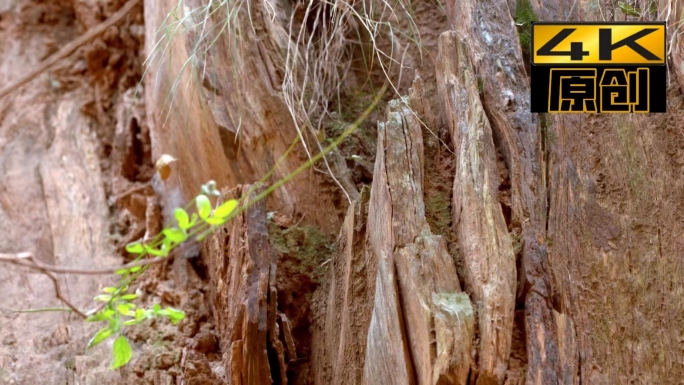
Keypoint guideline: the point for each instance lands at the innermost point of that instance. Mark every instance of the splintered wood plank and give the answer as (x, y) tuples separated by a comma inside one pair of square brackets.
[(422, 326), (490, 273), (242, 267)]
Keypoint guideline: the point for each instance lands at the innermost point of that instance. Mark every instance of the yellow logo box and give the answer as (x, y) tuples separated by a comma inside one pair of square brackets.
[(599, 43)]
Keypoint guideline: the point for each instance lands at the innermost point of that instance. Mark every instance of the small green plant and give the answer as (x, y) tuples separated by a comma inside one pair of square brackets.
[(524, 17), (628, 9), (117, 310)]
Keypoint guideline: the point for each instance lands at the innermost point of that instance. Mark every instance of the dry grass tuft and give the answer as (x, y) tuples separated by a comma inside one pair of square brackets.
[(323, 40)]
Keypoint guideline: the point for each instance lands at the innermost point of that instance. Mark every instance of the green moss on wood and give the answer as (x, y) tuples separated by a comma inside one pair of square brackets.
[(524, 17), (438, 212), (307, 247)]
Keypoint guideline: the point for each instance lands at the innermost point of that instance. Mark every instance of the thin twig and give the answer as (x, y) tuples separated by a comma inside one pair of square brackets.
[(40, 310), (71, 48), (60, 296), (26, 259)]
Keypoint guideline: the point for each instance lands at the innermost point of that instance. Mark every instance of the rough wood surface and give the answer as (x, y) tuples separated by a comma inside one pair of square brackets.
[(254, 335), (343, 316), (542, 223), (174, 115), (481, 228), (419, 326), (672, 12), (489, 29)]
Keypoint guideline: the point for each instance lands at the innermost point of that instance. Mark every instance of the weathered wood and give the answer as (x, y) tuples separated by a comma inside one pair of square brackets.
[(392, 311), (673, 13), (494, 52), (174, 115), (242, 268), (400, 338), (52, 203), (341, 327), (483, 238), (419, 326)]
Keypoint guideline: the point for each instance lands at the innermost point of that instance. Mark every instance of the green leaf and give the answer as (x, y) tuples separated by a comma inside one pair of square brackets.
[(653, 7), (114, 324), (175, 234), (135, 248), (109, 290), (182, 218), (101, 315), (125, 309), (103, 298), (628, 9), (129, 297), (100, 336), (121, 352), (155, 252), (139, 314), (174, 315), (215, 221), (193, 219), (121, 272), (225, 209), (203, 206), (132, 322), (135, 269)]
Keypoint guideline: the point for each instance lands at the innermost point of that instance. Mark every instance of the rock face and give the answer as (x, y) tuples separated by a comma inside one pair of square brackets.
[(54, 181)]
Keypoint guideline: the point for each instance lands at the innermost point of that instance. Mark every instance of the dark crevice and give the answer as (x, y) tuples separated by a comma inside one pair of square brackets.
[(301, 252), (517, 367), (504, 189), (402, 325), (579, 367), (274, 365), (409, 150), (229, 142), (200, 268), (272, 353), (439, 171), (138, 160)]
